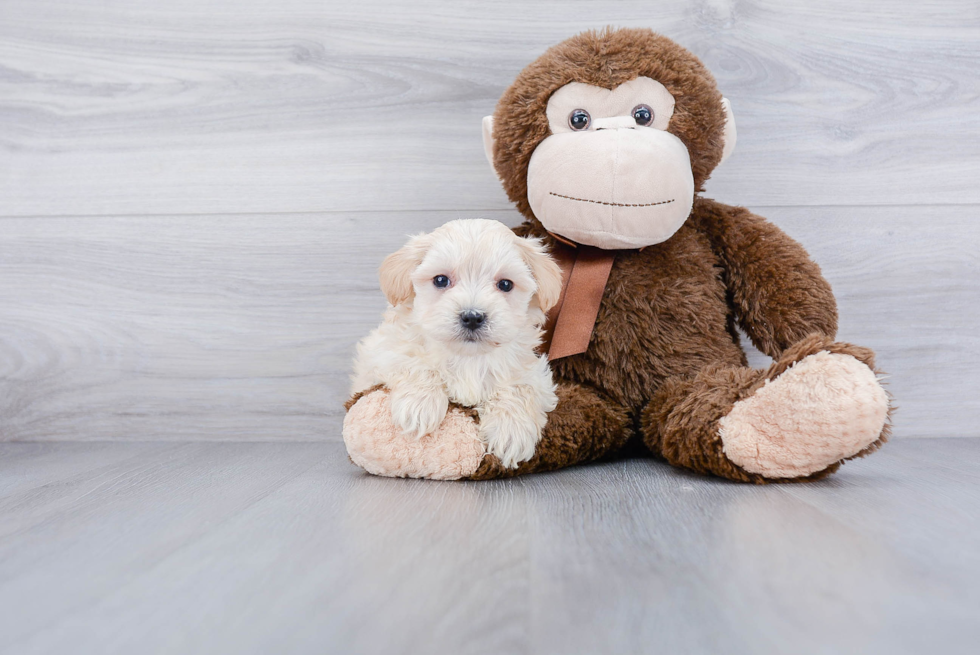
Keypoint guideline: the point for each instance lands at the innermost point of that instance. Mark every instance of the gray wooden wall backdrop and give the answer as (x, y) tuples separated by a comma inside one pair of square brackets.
[(195, 194)]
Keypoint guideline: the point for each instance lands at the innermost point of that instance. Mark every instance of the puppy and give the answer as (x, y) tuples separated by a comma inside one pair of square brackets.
[(467, 304)]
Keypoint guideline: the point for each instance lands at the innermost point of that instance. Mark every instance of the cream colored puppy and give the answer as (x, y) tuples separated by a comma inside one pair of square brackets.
[(467, 304)]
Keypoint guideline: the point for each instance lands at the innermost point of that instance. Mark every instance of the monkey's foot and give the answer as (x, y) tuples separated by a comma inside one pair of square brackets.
[(823, 408), (452, 451)]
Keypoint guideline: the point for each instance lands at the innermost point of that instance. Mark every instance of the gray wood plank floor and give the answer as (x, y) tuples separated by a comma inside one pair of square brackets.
[(288, 548)]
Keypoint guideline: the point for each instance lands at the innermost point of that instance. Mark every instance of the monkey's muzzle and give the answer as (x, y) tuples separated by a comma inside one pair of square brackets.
[(614, 188)]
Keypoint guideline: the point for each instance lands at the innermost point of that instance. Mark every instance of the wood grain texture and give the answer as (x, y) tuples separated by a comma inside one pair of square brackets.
[(133, 107), (243, 327), (258, 548)]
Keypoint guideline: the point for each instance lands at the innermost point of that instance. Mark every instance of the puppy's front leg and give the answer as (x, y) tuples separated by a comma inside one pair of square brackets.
[(511, 423), (418, 402)]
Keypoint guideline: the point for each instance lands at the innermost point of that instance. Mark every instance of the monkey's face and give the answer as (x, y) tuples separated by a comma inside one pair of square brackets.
[(610, 175), (613, 153)]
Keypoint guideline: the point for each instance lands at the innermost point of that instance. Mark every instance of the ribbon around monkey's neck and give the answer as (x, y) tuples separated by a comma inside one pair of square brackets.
[(585, 271)]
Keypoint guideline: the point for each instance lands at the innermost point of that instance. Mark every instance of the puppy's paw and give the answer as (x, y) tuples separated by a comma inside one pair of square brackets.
[(512, 437), (417, 413)]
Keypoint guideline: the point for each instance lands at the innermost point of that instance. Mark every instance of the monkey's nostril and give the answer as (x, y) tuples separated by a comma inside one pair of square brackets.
[(471, 319)]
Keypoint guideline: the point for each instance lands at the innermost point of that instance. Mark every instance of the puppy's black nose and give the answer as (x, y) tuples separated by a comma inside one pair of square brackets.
[(472, 319)]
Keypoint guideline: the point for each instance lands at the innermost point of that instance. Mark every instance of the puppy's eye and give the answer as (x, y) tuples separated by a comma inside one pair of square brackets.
[(643, 115), (441, 281), (505, 285), (579, 120)]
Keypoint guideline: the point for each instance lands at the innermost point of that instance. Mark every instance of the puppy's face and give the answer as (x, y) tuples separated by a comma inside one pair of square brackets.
[(472, 284)]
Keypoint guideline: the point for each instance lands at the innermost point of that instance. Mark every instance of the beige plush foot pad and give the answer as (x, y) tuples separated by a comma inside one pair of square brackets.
[(453, 451), (825, 408)]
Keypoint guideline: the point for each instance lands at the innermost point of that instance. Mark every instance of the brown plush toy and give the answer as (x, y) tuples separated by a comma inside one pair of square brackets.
[(604, 143)]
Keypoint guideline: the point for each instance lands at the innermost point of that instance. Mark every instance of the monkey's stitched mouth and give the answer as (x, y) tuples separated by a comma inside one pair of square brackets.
[(612, 204)]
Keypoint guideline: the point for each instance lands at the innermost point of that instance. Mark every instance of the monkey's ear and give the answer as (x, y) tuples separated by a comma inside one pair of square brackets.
[(395, 272), (729, 135), (546, 272), (488, 140)]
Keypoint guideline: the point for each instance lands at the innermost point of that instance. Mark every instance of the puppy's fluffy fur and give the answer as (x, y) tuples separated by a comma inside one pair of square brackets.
[(426, 357)]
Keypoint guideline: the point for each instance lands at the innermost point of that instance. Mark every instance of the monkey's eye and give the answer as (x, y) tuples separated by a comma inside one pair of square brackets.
[(505, 285), (579, 120), (643, 115), (441, 281)]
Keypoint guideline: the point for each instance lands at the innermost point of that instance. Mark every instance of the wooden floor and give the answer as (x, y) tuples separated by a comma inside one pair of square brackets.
[(287, 547)]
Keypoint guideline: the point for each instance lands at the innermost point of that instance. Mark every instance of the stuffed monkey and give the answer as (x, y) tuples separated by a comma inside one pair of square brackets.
[(604, 144)]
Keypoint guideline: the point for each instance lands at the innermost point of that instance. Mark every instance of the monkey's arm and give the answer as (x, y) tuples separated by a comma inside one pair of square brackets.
[(778, 292)]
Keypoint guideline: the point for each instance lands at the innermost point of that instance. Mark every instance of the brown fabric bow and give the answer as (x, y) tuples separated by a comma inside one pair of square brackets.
[(585, 271)]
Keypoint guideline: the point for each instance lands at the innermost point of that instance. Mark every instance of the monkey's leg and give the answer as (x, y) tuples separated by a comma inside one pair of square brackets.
[(583, 427), (818, 405)]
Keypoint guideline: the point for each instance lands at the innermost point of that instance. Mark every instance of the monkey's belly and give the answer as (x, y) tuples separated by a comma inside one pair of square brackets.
[(664, 314), (630, 366)]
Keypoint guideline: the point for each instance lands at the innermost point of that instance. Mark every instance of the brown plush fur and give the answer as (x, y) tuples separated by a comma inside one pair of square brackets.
[(665, 359)]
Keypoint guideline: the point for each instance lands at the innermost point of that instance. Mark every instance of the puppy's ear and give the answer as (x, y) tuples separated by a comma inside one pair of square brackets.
[(396, 270), (545, 271)]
